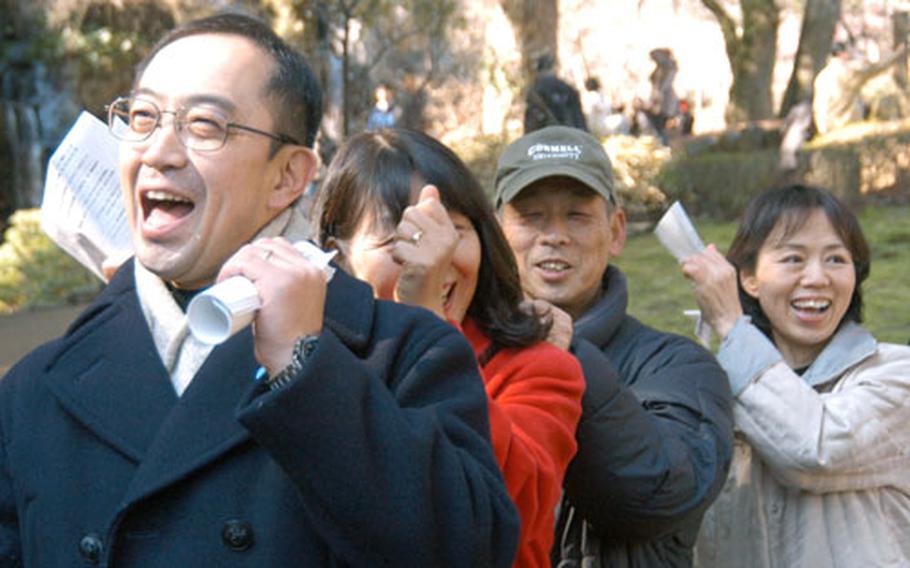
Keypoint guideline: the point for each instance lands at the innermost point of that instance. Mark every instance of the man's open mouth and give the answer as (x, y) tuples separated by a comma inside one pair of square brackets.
[(163, 208)]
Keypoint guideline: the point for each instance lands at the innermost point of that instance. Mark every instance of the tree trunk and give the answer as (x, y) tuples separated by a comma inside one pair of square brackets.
[(752, 53), (536, 29), (900, 21), (820, 17)]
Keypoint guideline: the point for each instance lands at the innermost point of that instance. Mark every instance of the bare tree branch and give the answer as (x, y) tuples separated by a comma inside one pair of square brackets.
[(727, 26)]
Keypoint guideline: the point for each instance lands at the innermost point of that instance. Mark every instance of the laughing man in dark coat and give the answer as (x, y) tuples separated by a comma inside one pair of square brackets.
[(128, 442)]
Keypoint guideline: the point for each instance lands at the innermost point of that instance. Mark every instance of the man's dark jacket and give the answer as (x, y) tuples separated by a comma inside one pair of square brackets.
[(376, 454), (654, 441)]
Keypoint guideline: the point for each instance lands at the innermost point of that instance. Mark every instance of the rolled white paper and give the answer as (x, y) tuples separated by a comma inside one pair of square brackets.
[(676, 232), (223, 309), (229, 306)]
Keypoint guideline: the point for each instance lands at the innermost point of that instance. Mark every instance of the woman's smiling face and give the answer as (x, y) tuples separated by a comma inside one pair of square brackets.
[(804, 283)]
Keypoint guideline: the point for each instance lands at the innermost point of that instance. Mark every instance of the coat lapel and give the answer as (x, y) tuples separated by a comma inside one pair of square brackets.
[(108, 374), (202, 425)]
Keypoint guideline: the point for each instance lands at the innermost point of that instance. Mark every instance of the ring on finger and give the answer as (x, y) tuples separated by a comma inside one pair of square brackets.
[(415, 238)]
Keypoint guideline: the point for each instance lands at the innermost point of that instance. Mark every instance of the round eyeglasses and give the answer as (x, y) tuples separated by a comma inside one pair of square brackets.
[(199, 128)]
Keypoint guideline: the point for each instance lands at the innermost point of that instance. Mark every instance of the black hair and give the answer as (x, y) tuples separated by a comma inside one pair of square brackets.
[(789, 207), (373, 172), (293, 89)]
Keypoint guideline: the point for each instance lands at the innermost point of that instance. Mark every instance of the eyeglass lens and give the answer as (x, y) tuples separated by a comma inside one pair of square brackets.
[(197, 128)]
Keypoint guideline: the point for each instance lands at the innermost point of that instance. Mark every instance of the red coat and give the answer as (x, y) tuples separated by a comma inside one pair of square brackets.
[(535, 403)]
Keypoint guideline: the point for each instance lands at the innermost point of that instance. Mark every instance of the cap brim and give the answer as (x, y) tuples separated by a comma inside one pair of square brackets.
[(525, 178)]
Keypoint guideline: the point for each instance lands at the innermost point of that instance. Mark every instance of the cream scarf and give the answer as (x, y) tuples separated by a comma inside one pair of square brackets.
[(180, 352)]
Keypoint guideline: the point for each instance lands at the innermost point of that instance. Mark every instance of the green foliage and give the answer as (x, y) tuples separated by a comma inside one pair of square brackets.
[(660, 293), (34, 271), (106, 50), (864, 158), (637, 161), (33, 43), (718, 184)]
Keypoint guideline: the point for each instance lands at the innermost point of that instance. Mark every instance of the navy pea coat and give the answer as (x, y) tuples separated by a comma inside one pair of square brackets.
[(377, 454)]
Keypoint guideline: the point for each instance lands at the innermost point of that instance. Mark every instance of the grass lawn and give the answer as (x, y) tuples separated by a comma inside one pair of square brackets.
[(659, 293)]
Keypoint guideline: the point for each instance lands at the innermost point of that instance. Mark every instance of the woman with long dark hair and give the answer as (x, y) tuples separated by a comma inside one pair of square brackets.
[(408, 217)]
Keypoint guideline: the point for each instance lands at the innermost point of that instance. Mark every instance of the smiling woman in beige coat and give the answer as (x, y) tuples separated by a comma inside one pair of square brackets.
[(821, 470)]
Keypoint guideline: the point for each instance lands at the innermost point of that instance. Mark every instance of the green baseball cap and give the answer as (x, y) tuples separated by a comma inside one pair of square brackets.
[(554, 151)]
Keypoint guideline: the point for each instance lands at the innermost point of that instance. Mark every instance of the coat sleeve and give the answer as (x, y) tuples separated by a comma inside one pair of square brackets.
[(398, 470), (535, 403), (650, 459), (852, 438)]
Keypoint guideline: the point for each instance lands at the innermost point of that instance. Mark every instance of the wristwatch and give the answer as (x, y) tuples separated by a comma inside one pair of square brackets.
[(303, 348)]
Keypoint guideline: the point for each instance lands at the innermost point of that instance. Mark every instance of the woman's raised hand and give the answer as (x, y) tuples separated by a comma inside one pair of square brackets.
[(425, 242), (714, 282)]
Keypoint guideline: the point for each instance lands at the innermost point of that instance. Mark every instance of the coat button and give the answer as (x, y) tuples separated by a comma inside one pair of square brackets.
[(90, 548), (237, 535)]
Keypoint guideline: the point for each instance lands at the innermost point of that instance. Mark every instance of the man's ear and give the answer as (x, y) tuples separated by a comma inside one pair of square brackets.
[(295, 168), (749, 283), (617, 231)]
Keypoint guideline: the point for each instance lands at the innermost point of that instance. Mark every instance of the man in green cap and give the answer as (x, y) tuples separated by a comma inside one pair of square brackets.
[(655, 438)]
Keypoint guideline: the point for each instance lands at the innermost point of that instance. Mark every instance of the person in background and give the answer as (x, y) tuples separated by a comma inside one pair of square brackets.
[(685, 119), (663, 103), (596, 108), (551, 101), (408, 217), (821, 473), (655, 436), (414, 101), (384, 112), (336, 430)]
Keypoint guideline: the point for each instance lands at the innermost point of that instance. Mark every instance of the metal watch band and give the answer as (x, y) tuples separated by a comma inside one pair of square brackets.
[(303, 348)]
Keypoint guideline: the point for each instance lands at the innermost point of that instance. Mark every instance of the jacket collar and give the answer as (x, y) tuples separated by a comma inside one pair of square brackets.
[(603, 319), (107, 372), (349, 308), (851, 344), (201, 425)]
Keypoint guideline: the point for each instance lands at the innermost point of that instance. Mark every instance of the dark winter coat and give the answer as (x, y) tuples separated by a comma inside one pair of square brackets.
[(654, 441), (377, 454)]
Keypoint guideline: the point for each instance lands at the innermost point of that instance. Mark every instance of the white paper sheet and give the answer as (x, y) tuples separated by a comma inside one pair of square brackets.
[(82, 209), (678, 235), (676, 232)]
